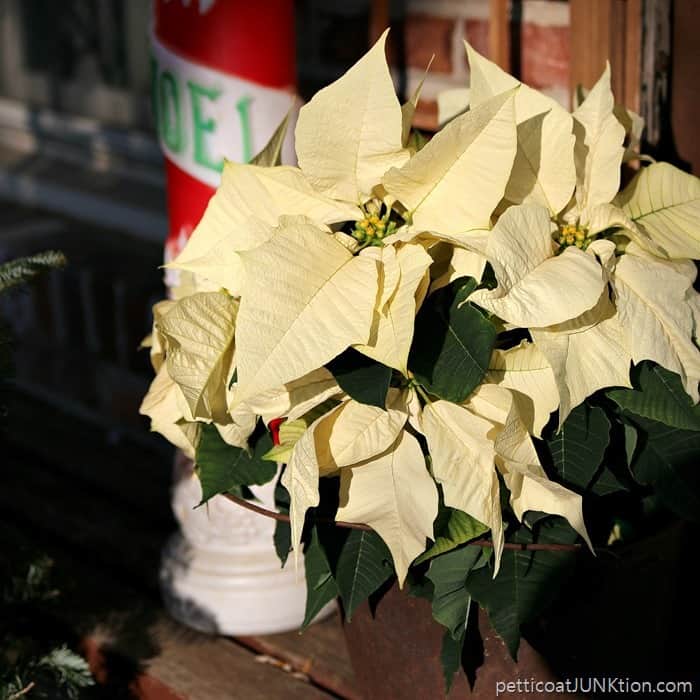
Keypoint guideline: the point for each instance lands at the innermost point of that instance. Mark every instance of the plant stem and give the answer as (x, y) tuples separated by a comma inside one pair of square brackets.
[(22, 692)]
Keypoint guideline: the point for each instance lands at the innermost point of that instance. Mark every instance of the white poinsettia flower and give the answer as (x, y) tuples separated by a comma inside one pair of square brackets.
[(664, 202), (646, 312), (524, 370), (598, 155), (306, 295), (658, 211), (569, 163), (538, 284), (543, 170), (452, 186), (395, 494), (591, 351), (656, 305), (385, 482), (163, 405), (472, 443), (347, 137), (463, 456)]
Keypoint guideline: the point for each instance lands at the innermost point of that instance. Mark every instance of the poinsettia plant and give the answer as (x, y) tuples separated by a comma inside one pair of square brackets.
[(450, 344)]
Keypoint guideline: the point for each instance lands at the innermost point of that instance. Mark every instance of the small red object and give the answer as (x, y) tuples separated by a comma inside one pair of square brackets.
[(274, 427)]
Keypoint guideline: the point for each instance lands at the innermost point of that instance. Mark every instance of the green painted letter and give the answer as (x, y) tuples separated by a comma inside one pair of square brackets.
[(203, 126), (170, 128), (243, 107)]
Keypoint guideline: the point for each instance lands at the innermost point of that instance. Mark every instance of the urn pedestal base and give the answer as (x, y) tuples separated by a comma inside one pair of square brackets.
[(220, 573)]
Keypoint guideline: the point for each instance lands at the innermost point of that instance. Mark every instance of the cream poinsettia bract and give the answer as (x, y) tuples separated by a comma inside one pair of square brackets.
[(514, 210), (595, 347)]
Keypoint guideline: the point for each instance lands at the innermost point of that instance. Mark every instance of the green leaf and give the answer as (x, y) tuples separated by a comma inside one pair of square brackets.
[(668, 459), (419, 586), (72, 671), (452, 343), (281, 497), (282, 539), (222, 467), (460, 528), (658, 395), (451, 600), (362, 378), (321, 587), (527, 581), (416, 140), (578, 449), (451, 658), (631, 440), (363, 566), (606, 482)]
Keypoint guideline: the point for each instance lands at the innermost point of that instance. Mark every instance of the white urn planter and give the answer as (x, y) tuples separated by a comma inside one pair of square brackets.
[(220, 573)]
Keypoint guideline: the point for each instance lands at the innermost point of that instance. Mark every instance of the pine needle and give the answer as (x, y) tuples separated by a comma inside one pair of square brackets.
[(22, 270)]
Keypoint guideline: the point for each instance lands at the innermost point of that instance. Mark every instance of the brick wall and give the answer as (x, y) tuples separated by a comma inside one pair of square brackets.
[(539, 52)]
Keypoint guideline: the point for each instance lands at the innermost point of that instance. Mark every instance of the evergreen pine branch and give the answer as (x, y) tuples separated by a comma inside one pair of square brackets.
[(70, 670), (22, 270)]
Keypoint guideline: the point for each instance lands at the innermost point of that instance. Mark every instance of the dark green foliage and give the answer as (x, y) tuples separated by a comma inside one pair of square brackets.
[(452, 528), (321, 587), (450, 657), (282, 537), (361, 378), (34, 665), (527, 581), (578, 449), (660, 396), (452, 343), (223, 468), (364, 565), (451, 602), (352, 564), (666, 458)]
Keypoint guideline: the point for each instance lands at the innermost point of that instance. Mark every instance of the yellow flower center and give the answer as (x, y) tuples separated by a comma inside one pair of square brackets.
[(372, 229), (572, 234)]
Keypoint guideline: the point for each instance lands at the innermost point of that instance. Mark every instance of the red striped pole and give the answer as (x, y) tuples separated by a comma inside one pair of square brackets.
[(223, 76)]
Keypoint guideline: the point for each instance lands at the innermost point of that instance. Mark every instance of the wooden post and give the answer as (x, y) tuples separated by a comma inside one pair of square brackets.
[(607, 30), (499, 33), (378, 19), (633, 54)]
